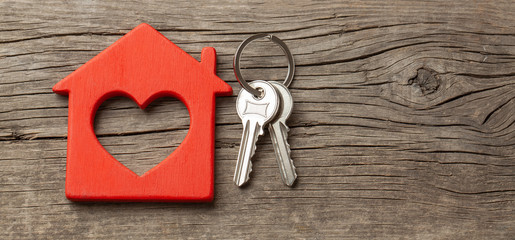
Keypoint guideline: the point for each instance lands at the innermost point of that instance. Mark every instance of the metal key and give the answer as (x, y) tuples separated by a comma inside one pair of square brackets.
[(279, 134), (255, 113)]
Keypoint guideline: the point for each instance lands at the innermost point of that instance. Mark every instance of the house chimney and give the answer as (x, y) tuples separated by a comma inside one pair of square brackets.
[(208, 59)]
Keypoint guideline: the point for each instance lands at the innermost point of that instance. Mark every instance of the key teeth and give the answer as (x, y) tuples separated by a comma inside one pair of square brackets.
[(247, 178), (289, 156), (286, 129), (250, 170), (252, 130), (261, 132), (252, 154)]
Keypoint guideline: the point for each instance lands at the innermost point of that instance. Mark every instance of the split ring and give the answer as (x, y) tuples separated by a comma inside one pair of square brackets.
[(237, 57)]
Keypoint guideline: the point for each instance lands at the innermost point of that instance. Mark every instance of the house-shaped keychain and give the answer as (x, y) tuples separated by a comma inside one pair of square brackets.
[(143, 65)]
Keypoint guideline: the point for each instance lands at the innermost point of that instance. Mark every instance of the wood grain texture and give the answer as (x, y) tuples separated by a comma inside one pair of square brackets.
[(403, 126)]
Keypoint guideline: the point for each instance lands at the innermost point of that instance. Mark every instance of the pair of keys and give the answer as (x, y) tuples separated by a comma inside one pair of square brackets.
[(262, 104)]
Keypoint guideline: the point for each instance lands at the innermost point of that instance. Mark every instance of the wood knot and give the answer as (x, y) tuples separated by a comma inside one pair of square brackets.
[(16, 136), (427, 80)]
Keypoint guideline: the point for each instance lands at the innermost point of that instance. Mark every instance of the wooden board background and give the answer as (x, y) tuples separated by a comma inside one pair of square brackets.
[(403, 126)]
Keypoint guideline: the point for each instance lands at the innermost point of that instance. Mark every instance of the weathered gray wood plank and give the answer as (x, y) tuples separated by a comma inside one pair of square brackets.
[(403, 125)]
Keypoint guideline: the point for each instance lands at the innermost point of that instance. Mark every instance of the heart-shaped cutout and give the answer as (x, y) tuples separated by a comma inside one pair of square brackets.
[(141, 138)]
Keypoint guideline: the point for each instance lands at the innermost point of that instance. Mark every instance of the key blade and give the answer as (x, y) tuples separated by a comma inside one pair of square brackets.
[(255, 113), (279, 134), (247, 150)]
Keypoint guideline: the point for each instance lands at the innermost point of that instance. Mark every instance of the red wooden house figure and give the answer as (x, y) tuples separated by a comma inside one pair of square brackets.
[(142, 65)]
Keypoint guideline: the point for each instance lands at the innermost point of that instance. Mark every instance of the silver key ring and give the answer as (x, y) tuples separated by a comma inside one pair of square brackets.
[(237, 56)]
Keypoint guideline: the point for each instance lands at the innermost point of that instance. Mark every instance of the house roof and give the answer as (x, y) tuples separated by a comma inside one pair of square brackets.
[(145, 53)]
